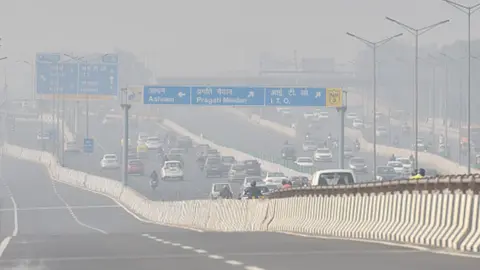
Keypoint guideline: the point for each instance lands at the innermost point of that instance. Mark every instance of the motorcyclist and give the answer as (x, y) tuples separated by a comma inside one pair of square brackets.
[(226, 193), (357, 144), (329, 136), (419, 175), (325, 144), (253, 192), (154, 179), (393, 157), (411, 158)]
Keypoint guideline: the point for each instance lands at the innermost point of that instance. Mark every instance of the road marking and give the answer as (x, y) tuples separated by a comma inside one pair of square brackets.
[(59, 208), (202, 251), (6, 240), (54, 186)]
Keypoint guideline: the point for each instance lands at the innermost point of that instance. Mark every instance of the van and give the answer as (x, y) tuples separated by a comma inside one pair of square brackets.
[(333, 177)]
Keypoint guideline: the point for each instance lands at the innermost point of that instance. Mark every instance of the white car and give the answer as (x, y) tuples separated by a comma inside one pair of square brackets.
[(217, 188), (172, 170), (110, 161), (304, 162), (309, 146), (358, 123), (322, 115), (153, 143), (323, 154), (275, 178), (381, 131), (351, 116), (397, 166), (407, 165)]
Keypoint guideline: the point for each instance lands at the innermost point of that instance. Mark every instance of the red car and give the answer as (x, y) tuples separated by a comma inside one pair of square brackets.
[(136, 166)]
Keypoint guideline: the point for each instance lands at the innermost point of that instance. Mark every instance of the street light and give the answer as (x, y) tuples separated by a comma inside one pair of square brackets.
[(374, 46), (469, 10), (416, 32)]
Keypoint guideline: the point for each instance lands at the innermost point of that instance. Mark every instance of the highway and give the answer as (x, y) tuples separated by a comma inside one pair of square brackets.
[(107, 141), (235, 132), (61, 227)]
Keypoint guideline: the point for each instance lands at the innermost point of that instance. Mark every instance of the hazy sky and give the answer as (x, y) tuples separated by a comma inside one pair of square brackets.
[(202, 37)]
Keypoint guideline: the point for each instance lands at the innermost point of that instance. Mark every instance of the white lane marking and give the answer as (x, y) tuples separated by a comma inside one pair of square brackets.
[(202, 251), (59, 208), (137, 217), (6, 240), (54, 186), (232, 262)]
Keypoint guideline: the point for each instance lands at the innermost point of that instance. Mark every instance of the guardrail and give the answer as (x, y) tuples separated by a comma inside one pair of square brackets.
[(448, 219)]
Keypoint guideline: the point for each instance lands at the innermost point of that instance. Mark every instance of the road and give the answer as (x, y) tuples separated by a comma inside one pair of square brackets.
[(235, 132), (107, 141), (62, 227)]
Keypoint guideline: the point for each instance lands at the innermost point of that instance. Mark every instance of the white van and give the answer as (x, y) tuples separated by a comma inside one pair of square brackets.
[(333, 177)]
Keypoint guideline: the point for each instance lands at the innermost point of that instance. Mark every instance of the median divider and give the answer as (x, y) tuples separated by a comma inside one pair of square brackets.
[(447, 217)]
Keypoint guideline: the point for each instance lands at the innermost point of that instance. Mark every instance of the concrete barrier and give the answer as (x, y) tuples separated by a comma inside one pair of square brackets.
[(448, 219), (433, 161)]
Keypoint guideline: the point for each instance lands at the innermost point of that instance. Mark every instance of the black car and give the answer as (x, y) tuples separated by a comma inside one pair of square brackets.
[(253, 167), (213, 167), (288, 152), (386, 173)]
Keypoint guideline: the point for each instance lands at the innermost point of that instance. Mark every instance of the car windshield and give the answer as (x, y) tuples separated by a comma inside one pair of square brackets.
[(385, 170), (276, 174), (171, 165), (309, 143), (357, 161), (153, 140), (110, 157), (395, 164), (211, 161), (323, 151), (238, 167), (220, 187), (306, 160), (176, 151), (334, 178), (174, 157), (251, 163), (143, 137)]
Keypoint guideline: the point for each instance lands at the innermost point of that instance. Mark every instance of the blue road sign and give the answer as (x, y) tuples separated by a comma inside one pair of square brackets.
[(227, 96), (166, 95), (295, 97), (96, 79), (243, 96), (88, 145)]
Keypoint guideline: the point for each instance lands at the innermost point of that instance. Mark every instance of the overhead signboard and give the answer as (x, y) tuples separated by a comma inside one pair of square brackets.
[(243, 96), (72, 79)]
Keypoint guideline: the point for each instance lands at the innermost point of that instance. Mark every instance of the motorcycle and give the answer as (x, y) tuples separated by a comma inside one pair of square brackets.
[(154, 184), (357, 147)]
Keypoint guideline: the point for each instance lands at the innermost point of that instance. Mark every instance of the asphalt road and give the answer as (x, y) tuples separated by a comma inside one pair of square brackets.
[(107, 141), (232, 131)]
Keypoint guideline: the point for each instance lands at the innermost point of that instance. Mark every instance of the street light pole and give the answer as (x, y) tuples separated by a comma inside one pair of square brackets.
[(416, 32), (374, 46), (469, 10)]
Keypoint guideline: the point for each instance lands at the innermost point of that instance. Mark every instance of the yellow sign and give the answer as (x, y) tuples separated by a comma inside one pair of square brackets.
[(135, 94), (334, 97)]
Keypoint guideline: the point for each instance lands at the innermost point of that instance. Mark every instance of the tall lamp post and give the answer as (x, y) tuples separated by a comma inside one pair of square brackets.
[(416, 32), (374, 46), (469, 10)]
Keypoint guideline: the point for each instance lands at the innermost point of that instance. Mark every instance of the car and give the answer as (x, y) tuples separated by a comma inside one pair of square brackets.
[(71, 146), (323, 155), (132, 155), (237, 173), (175, 157), (135, 166), (358, 123), (142, 151), (212, 152), (227, 162), (407, 165), (300, 181), (333, 177), (347, 152), (213, 167), (176, 151), (109, 161), (309, 145), (305, 162), (275, 178), (386, 173), (172, 170), (184, 143), (288, 152), (142, 138), (43, 136), (153, 143), (351, 116), (217, 188), (322, 115), (379, 115), (381, 131), (420, 145), (397, 167), (358, 164), (252, 167)]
